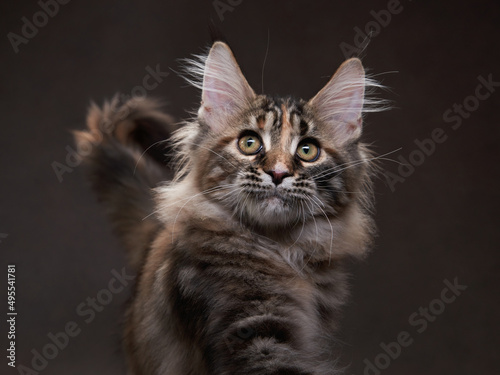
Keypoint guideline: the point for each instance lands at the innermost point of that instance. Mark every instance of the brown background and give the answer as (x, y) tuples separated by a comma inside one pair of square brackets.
[(440, 223)]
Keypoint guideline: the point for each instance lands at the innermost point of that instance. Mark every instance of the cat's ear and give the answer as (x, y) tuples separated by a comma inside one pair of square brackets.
[(225, 90), (339, 104)]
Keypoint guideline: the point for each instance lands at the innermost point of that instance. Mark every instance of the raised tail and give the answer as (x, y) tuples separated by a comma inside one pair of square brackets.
[(125, 152)]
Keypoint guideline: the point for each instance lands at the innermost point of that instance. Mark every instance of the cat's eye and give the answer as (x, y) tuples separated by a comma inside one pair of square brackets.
[(308, 151), (249, 144)]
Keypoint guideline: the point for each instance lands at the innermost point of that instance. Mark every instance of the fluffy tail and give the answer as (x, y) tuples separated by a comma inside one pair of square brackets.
[(125, 152)]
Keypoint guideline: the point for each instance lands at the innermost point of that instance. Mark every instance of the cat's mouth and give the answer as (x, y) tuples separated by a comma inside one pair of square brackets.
[(274, 199), (275, 194), (277, 197), (270, 206)]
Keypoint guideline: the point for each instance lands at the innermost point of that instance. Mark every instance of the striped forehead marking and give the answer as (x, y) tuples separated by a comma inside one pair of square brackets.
[(280, 130), (269, 126), (281, 125), (261, 121), (285, 117), (286, 129)]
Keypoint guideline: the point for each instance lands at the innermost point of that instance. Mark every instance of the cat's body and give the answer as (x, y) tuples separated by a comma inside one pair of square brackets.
[(241, 260)]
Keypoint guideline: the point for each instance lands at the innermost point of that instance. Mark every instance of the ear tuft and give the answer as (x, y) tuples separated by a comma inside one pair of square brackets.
[(340, 103), (225, 90)]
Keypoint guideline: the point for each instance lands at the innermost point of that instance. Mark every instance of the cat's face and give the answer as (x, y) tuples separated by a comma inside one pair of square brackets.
[(276, 167), (277, 162)]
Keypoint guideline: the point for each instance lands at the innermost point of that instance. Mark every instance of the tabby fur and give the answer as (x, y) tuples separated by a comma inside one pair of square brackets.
[(240, 258)]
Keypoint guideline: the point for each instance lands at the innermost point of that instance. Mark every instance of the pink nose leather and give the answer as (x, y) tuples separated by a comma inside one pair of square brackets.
[(278, 176)]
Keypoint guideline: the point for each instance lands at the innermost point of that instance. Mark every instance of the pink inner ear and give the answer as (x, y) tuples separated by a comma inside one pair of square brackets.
[(340, 103), (225, 89), (352, 112), (216, 95)]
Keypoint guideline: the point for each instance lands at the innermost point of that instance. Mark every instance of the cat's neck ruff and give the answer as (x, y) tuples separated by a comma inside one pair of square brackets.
[(317, 238)]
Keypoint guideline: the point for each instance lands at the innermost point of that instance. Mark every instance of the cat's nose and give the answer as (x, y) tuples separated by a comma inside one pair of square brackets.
[(278, 175)]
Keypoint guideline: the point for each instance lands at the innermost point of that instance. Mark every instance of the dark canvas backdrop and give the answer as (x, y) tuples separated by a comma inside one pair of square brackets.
[(437, 220)]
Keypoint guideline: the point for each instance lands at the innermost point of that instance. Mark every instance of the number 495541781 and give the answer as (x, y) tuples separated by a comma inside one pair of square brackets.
[(11, 289)]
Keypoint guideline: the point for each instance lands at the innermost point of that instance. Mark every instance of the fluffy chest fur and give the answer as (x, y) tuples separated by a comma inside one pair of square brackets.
[(235, 298), (239, 302), (240, 255)]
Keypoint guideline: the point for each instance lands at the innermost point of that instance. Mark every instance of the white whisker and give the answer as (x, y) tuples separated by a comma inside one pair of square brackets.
[(331, 228), (144, 152), (212, 151), (353, 163)]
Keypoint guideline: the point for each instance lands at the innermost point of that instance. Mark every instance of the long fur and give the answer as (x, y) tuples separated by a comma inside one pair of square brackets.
[(124, 156), (239, 273)]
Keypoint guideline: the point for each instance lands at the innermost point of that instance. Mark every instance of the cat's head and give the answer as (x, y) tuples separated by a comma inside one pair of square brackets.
[(272, 161)]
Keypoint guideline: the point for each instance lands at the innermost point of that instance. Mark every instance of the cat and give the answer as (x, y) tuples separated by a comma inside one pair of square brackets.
[(239, 223)]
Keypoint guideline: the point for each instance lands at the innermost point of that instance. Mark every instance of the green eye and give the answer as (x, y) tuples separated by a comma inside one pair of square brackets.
[(308, 151), (249, 144)]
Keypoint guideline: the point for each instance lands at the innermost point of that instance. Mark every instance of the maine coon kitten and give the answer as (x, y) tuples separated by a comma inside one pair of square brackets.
[(240, 257)]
